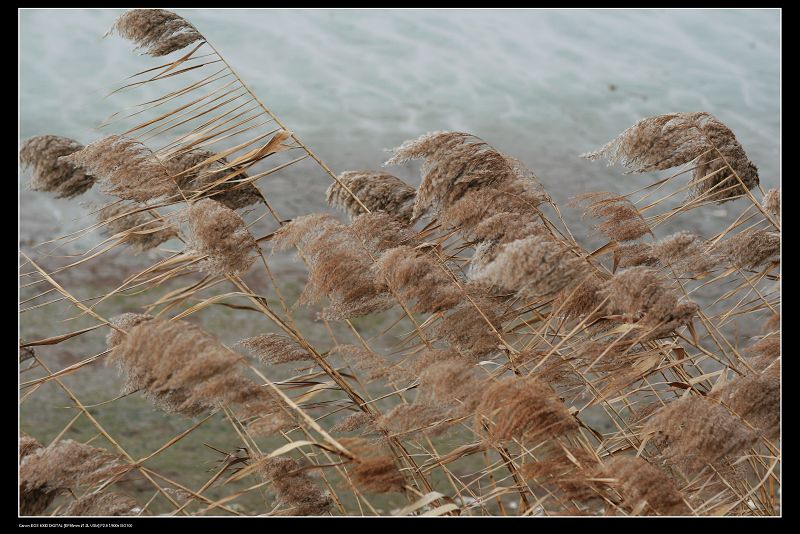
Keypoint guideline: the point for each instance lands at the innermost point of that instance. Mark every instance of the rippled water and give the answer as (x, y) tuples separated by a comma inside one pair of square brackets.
[(543, 85)]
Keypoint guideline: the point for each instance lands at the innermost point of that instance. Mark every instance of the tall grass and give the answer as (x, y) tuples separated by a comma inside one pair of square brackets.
[(467, 357)]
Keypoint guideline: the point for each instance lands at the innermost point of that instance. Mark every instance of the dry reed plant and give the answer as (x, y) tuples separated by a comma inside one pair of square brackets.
[(484, 362)]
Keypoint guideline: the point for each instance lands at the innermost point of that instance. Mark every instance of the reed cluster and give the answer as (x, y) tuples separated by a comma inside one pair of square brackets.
[(482, 362)]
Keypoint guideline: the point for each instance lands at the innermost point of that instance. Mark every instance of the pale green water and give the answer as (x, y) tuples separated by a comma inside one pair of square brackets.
[(535, 83)]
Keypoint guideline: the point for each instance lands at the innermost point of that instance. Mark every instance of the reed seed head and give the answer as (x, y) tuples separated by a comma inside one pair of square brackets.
[(125, 167), (156, 31), (220, 234), (378, 191), (51, 173)]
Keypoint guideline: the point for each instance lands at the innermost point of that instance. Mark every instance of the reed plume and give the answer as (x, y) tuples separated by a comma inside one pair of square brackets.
[(751, 248), (125, 168), (362, 359), (294, 488), (417, 279), (271, 349), (416, 418), (765, 351), (46, 472), (183, 369), (666, 141), (356, 421), (772, 202), (456, 162), (682, 252), (141, 231), (641, 291), (373, 469), (221, 235), (524, 408), (156, 31), (339, 267), (756, 399), (535, 266), (378, 191), (380, 231), (51, 173), (467, 326), (102, 504), (645, 487), (581, 299), (693, 432), (622, 220), (568, 472), (193, 173), (451, 384), (27, 445)]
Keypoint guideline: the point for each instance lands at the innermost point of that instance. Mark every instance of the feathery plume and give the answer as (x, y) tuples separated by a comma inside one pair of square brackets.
[(126, 168), (665, 141), (451, 384), (685, 252), (48, 471), (622, 220), (772, 202), (273, 349), (380, 231), (756, 399), (405, 419), (416, 278), (339, 267), (764, 352), (535, 266), (27, 445), (157, 31), (373, 469), (124, 322), (142, 232), (569, 471), (354, 422), (694, 431), (524, 407), (456, 162), (294, 488), (466, 328), (751, 249), (190, 175), (641, 290), (50, 172), (102, 504), (641, 484), (509, 201), (185, 370), (362, 359), (220, 234), (378, 191), (582, 298)]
